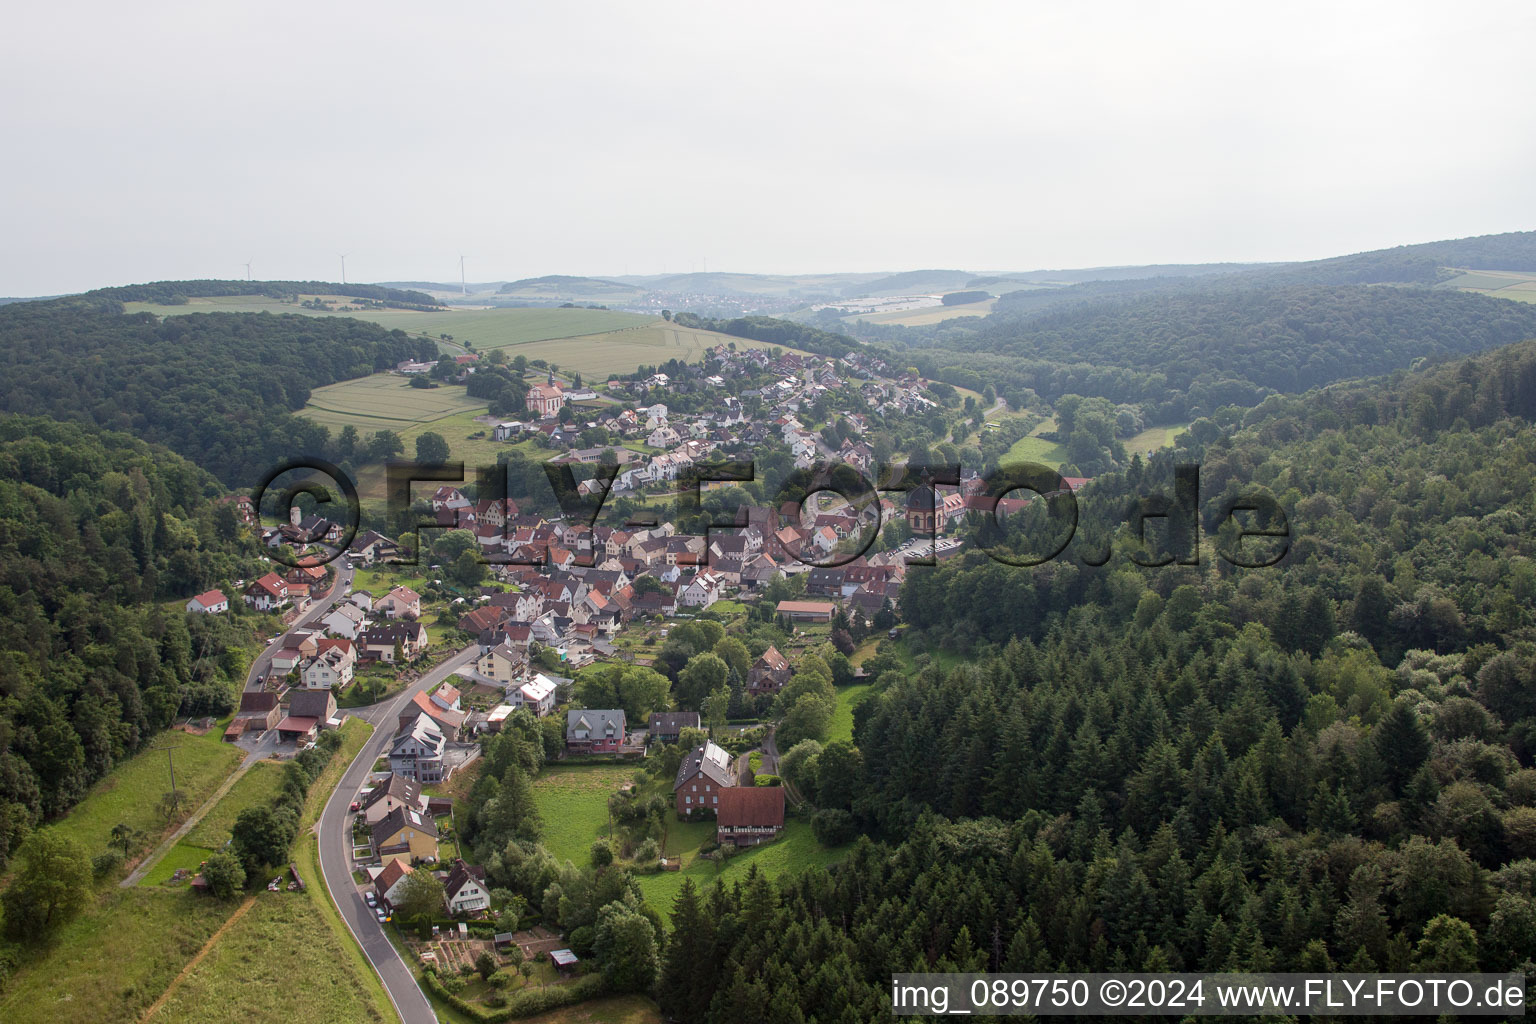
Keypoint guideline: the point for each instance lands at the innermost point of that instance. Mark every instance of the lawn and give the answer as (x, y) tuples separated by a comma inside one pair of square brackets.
[(842, 719), (795, 850), (573, 802), (1037, 450), (131, 792), (255, 788)]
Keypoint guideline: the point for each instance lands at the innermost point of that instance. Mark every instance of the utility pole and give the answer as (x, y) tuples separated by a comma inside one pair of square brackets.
[(170, 758)]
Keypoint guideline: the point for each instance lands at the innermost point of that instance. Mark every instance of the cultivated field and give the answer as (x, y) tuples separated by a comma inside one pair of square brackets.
[(386, 401), (1502, 284), (621, 351), (927, 316)]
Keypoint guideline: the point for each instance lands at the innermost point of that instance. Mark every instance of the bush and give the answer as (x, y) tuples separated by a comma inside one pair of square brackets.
[(104, 864), (766, 780), (526, 1003), (453, 984)]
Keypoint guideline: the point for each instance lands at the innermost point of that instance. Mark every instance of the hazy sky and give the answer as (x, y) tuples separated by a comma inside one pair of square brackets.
[(161, 140)]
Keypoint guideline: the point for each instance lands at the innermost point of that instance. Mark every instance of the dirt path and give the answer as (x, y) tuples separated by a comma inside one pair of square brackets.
[(213, 940)]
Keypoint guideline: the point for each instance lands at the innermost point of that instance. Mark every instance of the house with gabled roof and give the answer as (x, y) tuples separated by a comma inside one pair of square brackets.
[(268, 593), (700, 778), (749, 815), (466, 890), (417, 753), (388, 884), (594, 730), (393, 793), (209, 602), (449, 721), (404, 834), (399, 603), (769, 673)]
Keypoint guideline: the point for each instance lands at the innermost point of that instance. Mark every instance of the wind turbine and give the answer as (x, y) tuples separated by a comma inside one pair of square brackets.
[(343, 267), (247, 270), (463, 285)]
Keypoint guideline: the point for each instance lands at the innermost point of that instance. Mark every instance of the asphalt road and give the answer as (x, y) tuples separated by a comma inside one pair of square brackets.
[(336, 850), (263, 661)]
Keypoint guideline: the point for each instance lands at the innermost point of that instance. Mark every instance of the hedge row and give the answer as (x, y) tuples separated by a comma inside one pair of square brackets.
[(525, 1003)]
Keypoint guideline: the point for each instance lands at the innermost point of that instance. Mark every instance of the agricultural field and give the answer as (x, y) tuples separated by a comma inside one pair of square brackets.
[(255, 788), (386, 401), (926, 316), (796, 849), (573, 802), (131, 792), (598, 355), (482, 328), (1502, 284)]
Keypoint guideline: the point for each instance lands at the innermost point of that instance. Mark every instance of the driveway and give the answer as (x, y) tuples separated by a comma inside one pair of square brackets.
[(336, 850), (263, 661)]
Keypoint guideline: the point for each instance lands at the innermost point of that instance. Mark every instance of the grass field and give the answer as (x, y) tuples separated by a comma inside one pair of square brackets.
[(796, 849), (113, 960), (131, 792), (621, 351), (1035, 449), (573, 801), (927, 316), (842, 720), (1153, 438), (255, 788)]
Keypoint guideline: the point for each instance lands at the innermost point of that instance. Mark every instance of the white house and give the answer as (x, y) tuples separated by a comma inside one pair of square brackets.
[(329, 670), (417, 754), (701, 591), (211, 602), (345, 620), (537, 695), (507, 431), (465, 890)]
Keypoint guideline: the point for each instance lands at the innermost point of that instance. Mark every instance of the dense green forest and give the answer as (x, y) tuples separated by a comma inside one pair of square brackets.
[(1324, 765), (1188, 352), (219, 388), (95, 527)]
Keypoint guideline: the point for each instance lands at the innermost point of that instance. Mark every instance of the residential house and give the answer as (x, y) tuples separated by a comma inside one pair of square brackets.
[(449, 722), (466, 891), (404, 834), (268, 593), (389, 884), (749, 815), (702, 591), (700, 778), (389, 796), (417, 753), (209, 602), (667, 726), (344, 620), (769, 673), (331, 667), (537, 695), (399, 603), (378, 642), (501, 664), (446, 697), (594, 731)]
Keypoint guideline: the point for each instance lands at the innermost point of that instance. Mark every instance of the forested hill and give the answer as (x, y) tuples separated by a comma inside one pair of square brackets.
[(219, 388), (1196, 349), (176, 292), (95, 527), (1324, 765)]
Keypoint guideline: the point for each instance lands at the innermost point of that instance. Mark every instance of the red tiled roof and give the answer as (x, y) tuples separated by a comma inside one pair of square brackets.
[(209, 598), (758, 806)]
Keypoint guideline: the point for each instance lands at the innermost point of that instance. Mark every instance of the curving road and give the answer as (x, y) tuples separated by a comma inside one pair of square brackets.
[(342, 586), (336, 850)]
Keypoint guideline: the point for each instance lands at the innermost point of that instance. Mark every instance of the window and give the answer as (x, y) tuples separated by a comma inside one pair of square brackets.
[(717, 799), (687, 799)]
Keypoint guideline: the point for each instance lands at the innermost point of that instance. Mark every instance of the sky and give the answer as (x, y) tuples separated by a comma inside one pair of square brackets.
[(161, 140)]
